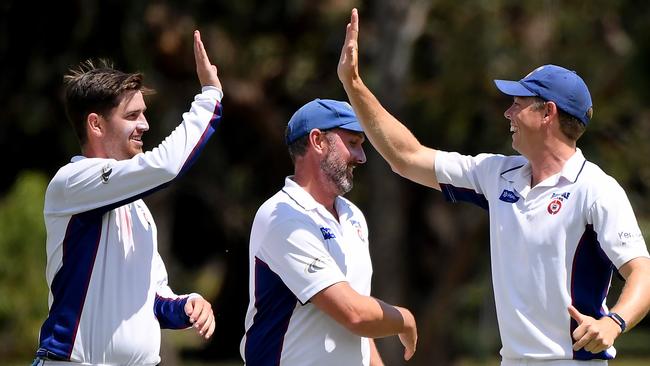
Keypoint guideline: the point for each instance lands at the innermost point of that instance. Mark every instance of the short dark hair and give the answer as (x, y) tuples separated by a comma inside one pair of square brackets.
[(96, 87), (570, 126), (299, 147)]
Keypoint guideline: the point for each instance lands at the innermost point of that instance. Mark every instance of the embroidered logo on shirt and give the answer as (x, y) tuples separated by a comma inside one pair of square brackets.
[(508, 196), (316, 265), (106, 173), (327, 233), (554, 207), (556, 202)]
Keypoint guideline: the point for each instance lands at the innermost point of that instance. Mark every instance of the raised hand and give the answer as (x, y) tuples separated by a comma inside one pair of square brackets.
[(206, 71), (591, 334), (348, 68), (201, 316)]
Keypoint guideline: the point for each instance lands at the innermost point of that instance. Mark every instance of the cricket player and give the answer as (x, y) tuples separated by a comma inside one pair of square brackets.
[(559, 226), (109, 295)]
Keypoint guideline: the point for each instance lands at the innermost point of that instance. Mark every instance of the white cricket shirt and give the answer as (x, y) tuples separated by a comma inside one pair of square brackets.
[(552, 245), (297, 248), (108, 285)]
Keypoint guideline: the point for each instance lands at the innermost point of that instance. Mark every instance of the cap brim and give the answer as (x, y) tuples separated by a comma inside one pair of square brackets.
[(352, 126), (513, 88)]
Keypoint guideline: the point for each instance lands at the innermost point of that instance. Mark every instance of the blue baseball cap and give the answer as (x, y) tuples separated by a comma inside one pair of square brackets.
[(322, 114), (555, 84)]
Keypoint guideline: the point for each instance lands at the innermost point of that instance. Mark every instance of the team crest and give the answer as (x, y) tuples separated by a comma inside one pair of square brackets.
[(556, 202), (357, 225), (554, 207)]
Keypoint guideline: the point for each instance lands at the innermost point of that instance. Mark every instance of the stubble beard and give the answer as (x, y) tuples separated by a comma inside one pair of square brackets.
[(336, 170)]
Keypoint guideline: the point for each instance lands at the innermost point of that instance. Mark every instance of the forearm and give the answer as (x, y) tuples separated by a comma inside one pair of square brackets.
[(390, 137), (362, 315), (634, 303), (399, 147), (376, 319), (179, 150)]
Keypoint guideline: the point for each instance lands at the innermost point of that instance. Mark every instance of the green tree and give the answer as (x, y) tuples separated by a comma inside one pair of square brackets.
[(23, 290)]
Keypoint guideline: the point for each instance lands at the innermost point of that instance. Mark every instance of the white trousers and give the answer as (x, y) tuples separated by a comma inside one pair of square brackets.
[(528, 362)]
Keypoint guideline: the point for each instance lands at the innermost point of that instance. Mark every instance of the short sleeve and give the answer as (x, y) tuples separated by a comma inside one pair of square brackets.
[(615, 224), (466, 178), (296, 251)]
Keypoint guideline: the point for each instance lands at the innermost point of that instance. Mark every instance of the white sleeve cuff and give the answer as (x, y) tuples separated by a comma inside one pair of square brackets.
[(209, 89)]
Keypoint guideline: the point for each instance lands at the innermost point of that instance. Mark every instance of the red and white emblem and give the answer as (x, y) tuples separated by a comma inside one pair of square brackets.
[(357, 225), (554, 207)]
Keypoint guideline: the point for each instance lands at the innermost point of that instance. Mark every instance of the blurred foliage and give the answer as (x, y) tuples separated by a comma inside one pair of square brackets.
[(273, 56), (23, 289)]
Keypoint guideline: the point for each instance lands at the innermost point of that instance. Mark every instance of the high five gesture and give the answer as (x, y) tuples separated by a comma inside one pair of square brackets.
[(348, 69), (206, 71)]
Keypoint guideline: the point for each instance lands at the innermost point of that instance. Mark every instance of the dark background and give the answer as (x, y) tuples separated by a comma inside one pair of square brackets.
[(431, 63)]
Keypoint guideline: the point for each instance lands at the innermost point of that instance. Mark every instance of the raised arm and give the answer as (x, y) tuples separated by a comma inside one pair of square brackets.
[(406, 156), (366, 316), (107, 183)]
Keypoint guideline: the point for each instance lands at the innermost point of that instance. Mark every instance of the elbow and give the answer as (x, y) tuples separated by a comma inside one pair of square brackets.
[(160, 164), (400, 167), (397, 168), (403, 159), (166, 173), (168, 169), (170, 172)]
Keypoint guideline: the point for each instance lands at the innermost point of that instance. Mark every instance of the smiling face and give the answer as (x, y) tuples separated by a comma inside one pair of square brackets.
[(345, 152), (526, 115), (123, 128)]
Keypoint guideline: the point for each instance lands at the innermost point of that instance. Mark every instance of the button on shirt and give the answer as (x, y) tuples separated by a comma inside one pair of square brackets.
[(297, 249), (552, 245)]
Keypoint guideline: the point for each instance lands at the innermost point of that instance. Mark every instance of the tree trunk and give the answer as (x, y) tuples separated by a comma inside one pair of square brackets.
[(398, 25)]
